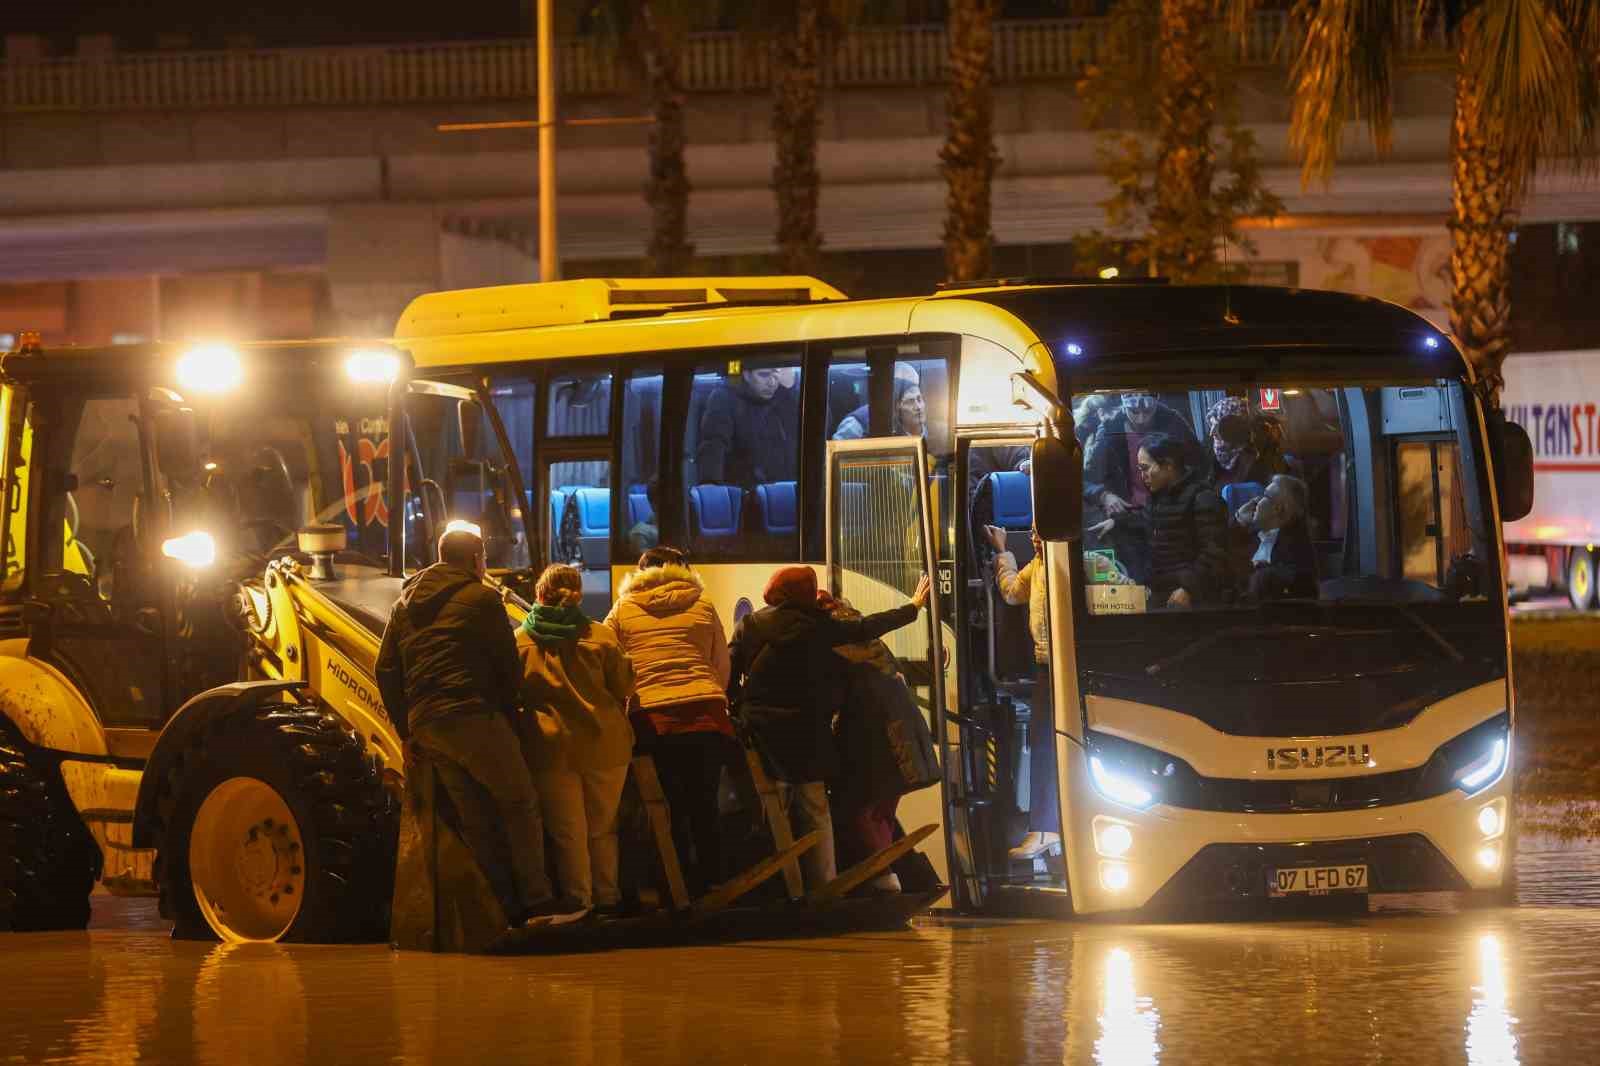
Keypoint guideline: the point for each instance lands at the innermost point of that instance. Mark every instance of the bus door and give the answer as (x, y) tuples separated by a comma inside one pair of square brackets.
[(879, 544), (1003, 778)]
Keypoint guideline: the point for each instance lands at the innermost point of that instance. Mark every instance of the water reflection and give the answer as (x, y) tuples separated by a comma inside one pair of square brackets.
[(250, 1006), (1128, 1022), (1490, 1040)]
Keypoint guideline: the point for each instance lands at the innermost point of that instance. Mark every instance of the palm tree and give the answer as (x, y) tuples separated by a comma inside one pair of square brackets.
[(649, 36), (968, 158), (1527, 90), (796, 96)]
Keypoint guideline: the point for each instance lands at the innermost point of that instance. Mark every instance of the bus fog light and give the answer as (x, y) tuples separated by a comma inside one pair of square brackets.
[(1489, 821), (1114, 876), (1488, 856), (1112, 839)]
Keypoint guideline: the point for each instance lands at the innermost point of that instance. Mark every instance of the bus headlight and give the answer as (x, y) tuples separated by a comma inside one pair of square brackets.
[(1127, 773), (1111, 838), (1484, 769), (1471, 761), (195, 550), (210, 368), (1118, 787), (1114, 876)]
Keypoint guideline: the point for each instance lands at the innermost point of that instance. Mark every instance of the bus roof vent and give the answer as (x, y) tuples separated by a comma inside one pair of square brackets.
[(564, 303)]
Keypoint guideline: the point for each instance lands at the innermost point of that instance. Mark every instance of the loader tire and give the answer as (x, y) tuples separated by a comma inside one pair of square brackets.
[(274, 824), (48, 861)]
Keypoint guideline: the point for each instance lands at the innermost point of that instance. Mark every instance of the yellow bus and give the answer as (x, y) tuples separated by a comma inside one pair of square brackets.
[(1195, 705)]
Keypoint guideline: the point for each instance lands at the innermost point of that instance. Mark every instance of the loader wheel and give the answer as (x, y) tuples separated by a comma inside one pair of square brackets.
[(275, 825), (48, 861)]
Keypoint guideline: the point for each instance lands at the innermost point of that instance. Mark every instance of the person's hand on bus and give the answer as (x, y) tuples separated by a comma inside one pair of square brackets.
[(1100, 529), (1114, 504), (919, 598), (997, 537), (1180, 598)]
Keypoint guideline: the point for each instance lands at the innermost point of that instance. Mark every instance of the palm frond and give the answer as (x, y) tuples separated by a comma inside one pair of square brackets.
[(1537, 87), (1344, 71)]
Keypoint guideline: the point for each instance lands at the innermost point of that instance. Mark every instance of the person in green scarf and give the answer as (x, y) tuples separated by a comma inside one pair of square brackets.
[(576, 682)]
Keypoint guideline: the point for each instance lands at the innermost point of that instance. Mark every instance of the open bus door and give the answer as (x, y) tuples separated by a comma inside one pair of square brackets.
[(880, 542)]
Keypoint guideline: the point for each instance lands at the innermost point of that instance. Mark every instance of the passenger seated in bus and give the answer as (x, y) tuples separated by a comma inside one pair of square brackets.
[(645, 533), (784, 688), (910, 417), (1026, 587), (1185, 525), (1243, 446), (749, 431), (1111, 484), (1285, 561)]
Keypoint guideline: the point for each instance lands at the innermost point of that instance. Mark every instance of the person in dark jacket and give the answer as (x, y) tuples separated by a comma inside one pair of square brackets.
[(1112, 486), (885, 747), (1242, 449), (750, 432), (1185, 523), (1285, 561), (782, 685), (449, 676)]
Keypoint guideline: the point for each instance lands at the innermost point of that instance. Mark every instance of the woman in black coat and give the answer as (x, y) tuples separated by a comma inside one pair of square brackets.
[(1185, 525), (784, 688)]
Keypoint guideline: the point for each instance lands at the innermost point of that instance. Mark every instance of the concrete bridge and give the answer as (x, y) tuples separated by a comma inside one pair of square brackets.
[(298, 190)]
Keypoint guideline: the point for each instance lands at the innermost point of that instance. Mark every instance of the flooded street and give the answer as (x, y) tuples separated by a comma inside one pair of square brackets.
[(1415, 981)]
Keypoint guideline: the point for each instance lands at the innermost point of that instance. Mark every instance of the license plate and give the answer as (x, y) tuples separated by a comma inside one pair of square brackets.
[(1316, 880)]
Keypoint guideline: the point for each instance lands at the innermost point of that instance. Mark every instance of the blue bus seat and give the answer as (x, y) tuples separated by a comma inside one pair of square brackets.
[(715, 510), (1240, 493), (776, 505), (1013, 499), (593, 507), (639, 509)]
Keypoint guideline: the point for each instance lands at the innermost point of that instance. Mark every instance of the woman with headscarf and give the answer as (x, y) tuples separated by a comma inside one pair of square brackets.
[(1244, 446), (784, 689), (576, 682)]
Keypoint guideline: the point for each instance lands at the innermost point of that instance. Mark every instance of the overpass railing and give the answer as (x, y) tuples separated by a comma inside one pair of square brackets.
[(1034, 49)]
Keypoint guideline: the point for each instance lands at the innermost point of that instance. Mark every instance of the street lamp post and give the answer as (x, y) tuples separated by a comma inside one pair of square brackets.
[(549, 254)]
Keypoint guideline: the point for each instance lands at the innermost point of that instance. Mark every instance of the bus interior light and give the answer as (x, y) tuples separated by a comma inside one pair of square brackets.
[(1484, 769), (461, 525), (210, 368), (1118, 787)]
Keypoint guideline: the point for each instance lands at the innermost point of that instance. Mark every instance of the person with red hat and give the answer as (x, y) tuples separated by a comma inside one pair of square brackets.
[(783, 688)]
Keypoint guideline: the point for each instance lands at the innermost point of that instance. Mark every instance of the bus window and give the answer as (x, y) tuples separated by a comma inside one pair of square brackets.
[(641, 463), (579, 405), (742, 459), (580, 526), (910, 379)]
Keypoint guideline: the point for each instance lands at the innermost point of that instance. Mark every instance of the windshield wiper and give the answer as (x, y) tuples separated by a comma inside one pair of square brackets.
[(1414, 618)]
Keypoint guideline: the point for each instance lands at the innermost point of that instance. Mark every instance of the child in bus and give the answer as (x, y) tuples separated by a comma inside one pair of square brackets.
[(576, 683), (1019, 587), (672, 634), (783, 687)]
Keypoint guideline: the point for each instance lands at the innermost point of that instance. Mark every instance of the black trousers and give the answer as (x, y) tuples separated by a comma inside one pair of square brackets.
[(690, 768)]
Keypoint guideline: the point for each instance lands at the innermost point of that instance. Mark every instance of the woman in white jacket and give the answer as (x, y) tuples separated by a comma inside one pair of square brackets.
[(672, 633)]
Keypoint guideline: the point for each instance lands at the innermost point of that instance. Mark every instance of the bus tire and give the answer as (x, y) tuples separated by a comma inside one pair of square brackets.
[(1581, 579), (48, 861), (274, 824)]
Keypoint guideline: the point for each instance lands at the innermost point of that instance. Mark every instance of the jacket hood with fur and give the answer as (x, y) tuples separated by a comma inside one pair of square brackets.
[(663, 590)]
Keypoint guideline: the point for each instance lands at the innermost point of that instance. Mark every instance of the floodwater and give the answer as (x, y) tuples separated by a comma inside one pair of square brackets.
[(1416, 981)]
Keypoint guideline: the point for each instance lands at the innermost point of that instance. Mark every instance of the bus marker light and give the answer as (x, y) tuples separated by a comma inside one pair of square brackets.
[(372, 366)]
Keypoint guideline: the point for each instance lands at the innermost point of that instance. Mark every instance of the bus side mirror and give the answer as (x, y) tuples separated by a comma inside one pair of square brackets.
[(177, 447), (469, 423), (1057, 489), (1512, 453)]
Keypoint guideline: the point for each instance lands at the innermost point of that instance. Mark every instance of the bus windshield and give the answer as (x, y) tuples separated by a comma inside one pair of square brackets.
[(1222, 525)]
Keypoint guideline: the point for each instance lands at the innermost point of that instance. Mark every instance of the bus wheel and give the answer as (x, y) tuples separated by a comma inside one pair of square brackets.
[(48, 861), (1581, 579), (277, 826)]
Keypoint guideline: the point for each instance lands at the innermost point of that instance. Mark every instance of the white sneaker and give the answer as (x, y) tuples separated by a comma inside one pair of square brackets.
[(1035, 845), (885, 884), (556, 912)]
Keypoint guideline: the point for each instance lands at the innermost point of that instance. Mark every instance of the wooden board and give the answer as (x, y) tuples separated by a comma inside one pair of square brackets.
[(655, 805), (868, 868), (782, 832), (756, 875)]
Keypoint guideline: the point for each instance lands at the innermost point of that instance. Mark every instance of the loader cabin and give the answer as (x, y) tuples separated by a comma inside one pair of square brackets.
[(144, 480)]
